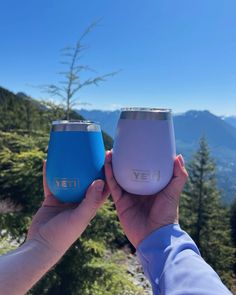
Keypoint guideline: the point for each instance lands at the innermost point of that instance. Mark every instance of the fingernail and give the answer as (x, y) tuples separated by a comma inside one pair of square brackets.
[(99, 186), (181, 159)]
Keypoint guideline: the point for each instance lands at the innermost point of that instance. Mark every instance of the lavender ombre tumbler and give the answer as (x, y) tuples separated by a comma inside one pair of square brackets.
[(144, 150)]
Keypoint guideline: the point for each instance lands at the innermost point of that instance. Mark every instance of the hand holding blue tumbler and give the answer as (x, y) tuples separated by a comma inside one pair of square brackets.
[(75, 158)]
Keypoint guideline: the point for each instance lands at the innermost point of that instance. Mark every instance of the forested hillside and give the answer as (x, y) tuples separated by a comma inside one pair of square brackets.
[(189, 128), (96, 263)]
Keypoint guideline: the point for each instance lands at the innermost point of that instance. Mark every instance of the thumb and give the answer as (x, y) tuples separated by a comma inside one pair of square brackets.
[(95, 197), (179, 179)]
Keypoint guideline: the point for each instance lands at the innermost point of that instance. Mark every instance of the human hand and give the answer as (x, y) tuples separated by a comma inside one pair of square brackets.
[(58, 225), (141, 215)]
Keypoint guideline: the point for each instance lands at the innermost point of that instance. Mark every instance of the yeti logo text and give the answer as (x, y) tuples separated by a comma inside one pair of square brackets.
[(156, 175), (66, 183), (145, 175)]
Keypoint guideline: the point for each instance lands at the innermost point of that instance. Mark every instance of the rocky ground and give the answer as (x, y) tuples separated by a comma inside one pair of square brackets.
[(136, 271)]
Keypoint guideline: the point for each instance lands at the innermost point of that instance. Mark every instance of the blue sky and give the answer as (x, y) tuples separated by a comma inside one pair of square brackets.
[(175, 54)]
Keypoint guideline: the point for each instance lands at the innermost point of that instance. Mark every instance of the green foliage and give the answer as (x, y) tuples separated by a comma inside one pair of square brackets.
[(233, 226), (21, 159), (5, 246), (20, 170), (21, 162), (233, 220), (108, 141), (90, 268), (93, 264), (106, 219), (115, 278), (13, 119), (204, 217)]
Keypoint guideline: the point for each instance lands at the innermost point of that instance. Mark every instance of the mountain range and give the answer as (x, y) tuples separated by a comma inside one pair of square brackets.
[(23, 113), (220, 133), (230, 119)]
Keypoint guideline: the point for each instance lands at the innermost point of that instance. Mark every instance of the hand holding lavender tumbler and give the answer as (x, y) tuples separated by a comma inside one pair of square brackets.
[(144, 150)]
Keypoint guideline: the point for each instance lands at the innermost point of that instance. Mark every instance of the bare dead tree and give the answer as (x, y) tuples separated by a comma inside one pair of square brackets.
[(67, 89)]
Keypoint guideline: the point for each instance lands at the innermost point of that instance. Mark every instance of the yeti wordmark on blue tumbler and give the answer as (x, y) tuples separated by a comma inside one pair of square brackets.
[(75, 158)]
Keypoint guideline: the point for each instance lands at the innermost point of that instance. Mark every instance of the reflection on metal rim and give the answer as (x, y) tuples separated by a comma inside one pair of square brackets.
[(65, 125), (145, 114)]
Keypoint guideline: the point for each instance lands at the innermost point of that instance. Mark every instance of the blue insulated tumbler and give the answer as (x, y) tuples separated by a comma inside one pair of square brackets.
[(75, 159)]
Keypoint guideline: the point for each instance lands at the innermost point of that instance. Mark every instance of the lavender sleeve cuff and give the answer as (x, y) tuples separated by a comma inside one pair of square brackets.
[(173, 265)]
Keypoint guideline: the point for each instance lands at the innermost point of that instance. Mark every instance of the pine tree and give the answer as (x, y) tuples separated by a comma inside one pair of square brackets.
[(93, 265), (233, 220), (233, 226), (204, 217)]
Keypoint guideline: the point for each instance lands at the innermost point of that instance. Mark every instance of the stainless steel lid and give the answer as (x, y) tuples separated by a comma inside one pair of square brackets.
[(145, 114), (65, 125)]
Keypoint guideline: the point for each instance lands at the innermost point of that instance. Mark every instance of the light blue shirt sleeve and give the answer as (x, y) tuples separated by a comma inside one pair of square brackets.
[(173, 265)]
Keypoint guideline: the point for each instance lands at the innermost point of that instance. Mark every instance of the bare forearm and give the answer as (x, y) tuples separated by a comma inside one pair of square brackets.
[(23, 267)]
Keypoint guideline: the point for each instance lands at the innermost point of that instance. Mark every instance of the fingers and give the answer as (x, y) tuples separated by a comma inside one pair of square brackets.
[(180, 170), (115, 189), (50, 200), (180, 176), (106, 190), (45, 186), (96, 195)]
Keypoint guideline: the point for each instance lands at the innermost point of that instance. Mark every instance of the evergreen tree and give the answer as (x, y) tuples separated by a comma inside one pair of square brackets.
[(93, 265), (233, 226), (233, 221), (204, 217)]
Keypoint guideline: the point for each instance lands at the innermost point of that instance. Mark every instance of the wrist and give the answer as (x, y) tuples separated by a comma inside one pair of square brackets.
[(43, 250), (154, 229), (22, 268)]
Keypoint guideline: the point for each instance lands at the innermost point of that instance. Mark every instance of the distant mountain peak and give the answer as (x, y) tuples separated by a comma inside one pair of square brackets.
[(198, 113), (230, 120), (22, 94)]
